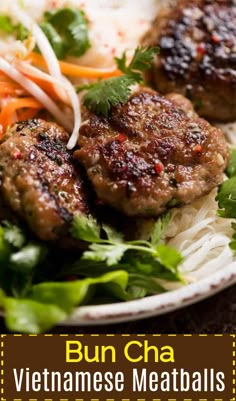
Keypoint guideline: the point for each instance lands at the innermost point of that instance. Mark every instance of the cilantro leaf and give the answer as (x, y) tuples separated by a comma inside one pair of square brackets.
[(6, 24), (169, 257), (13, 235), (27, 258), (21, 32), (150, 284), (227, 199), (160, 228), (140, 62), (67, 31), (105, 94), (111, 254), (111, 92), (55, 39), (112, 234), (85, 228), (231, 170)]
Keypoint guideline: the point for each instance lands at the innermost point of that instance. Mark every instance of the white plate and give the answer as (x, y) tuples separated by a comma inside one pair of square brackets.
[(154, 305)]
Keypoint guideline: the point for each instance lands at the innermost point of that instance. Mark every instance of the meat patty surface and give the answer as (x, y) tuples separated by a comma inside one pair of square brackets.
[(197, 40), (151, 154), (39, 182)]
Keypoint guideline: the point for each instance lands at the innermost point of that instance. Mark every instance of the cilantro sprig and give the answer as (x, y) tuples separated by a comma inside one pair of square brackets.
[(101, 96), (109, 246), (227, 196)]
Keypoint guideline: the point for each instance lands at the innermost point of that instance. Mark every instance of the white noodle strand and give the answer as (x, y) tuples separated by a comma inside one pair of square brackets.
[(35, 91)]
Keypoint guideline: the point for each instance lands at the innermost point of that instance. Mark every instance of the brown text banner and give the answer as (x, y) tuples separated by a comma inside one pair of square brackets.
[(118, 367)]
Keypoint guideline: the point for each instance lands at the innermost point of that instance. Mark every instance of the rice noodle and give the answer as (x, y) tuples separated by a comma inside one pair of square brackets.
[(202, 237), (30, 71), (77, 115), (35, 91)]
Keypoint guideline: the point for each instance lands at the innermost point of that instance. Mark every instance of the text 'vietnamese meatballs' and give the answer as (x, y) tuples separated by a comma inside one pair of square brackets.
[(39, 182), (151, 154), (197, 40)]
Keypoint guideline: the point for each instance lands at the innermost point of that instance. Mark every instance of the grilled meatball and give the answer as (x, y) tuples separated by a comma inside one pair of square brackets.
[(151, 154), (38, 180), (197, 40)]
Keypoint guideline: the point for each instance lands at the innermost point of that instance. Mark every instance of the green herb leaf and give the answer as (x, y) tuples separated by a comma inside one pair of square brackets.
[(159, 229), (70, 294), (27, 316), (231, 170), (27, 258), (85, 228), (6, 24), (105, 94), (140, 62), (149, 283), (169, 257), (21, 32), (227, 199), (111, 92), (112, 234), (55, 39), (67, 31), (111, 254), (13, 235)]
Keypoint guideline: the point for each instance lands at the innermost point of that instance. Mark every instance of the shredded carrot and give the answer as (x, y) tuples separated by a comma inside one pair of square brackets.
[(9, 89), (74, 70), (43, 80), (27, 114), (8, 112)]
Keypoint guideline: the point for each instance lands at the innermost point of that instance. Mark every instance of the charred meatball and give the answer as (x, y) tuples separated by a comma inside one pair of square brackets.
[(151, 154), (197, 40), (39, 182)]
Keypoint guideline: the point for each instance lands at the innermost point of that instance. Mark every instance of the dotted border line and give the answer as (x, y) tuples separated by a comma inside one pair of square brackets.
[(233, 366), (112, 399), (124, 335), (2, 366), (113, 335)]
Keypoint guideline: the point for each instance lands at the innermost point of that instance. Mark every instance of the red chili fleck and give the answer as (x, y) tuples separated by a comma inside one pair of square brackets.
[(215, 38), (170, 168), (198, 149), (123, 169), (121, 138), (201, 48), (121, 34), (159, 168), (16, 155)]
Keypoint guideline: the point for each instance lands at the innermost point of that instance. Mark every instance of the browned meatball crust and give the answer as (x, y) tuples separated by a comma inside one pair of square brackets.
[(197, 40), (151, 154), (38, 180)]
